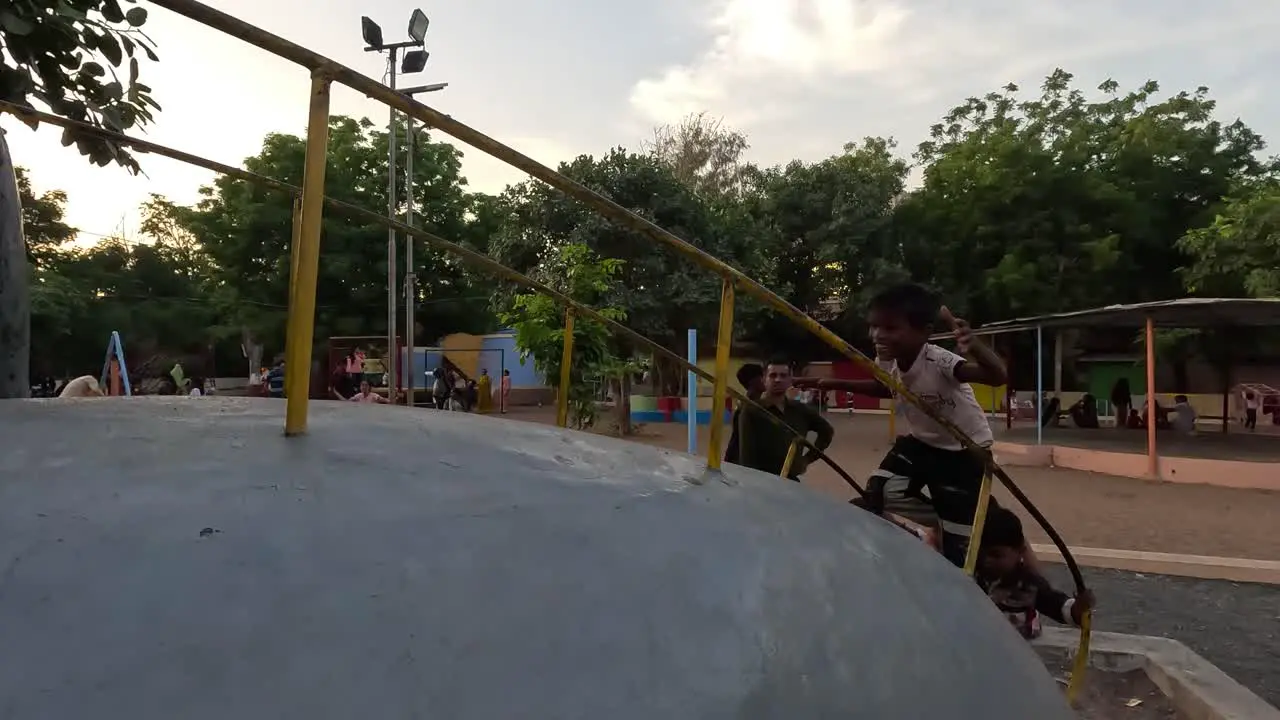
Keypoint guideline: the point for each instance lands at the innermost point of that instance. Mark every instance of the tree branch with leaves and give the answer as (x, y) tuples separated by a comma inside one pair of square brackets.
[(539, 324)]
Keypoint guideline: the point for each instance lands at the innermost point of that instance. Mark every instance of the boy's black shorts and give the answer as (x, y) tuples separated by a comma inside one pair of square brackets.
[(952, 479)]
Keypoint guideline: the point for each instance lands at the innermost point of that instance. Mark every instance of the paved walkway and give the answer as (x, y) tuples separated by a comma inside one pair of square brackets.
[(1089, 510)]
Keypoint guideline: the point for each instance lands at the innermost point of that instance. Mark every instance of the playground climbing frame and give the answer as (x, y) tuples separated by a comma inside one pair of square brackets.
[(305, 257)]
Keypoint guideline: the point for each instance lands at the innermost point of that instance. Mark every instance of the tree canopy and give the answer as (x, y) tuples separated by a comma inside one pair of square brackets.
[(79, 58), (1025, 203)]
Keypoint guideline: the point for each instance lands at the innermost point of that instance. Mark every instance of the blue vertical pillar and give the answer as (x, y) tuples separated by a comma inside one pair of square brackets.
[(1039, 384), (693, 394)]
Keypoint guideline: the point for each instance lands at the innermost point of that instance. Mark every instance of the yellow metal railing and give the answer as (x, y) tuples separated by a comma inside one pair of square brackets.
[(306, 254)]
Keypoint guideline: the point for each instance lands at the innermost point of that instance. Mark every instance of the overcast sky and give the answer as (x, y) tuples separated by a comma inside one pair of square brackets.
[(558, 78)]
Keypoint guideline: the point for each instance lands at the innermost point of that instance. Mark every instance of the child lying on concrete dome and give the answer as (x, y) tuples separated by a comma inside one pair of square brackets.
[(1018, 590)]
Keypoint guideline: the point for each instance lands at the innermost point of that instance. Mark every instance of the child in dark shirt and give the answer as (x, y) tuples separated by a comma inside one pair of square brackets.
[(1022, 594), (751, 377)]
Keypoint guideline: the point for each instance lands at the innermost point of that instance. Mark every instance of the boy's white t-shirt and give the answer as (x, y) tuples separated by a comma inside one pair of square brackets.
[(932, 378)]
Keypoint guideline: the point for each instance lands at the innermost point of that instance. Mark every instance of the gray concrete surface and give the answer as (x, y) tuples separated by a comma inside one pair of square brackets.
[(1235, 626), (166, 559)]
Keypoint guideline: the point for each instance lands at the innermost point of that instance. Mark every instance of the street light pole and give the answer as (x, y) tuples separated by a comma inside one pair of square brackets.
[(415, 59), (392, 351), (410, 277)]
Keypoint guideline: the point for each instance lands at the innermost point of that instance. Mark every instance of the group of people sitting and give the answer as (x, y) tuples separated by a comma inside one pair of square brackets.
[(928, 477), (1181, 417), (87, 386)]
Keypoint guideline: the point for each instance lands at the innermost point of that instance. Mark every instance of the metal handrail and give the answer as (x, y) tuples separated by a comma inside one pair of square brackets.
[(481, 261)]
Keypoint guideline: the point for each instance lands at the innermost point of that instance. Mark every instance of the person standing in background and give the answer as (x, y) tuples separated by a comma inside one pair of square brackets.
[(1122, 400), (1251, 410), (355, 366), (751, 378), (506, 390), (484, 392), (764, 444), (275, 381)]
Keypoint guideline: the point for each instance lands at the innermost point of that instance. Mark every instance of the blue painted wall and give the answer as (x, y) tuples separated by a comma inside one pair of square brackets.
[(522, 376), (423, 362)]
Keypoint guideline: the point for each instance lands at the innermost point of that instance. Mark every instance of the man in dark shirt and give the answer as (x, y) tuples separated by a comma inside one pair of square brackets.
[(764, 444), (751, 377), (275, 381)]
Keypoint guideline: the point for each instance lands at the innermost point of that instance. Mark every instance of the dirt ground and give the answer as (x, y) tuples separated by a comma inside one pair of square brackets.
[(1088, 509), (1115, 695)]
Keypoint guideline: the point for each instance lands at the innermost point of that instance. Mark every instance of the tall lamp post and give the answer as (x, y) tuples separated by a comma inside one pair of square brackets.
[(413, 61), (410, 277)]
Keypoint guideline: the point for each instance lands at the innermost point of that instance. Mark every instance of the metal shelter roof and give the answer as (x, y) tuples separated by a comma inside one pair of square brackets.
[(1185, 313)]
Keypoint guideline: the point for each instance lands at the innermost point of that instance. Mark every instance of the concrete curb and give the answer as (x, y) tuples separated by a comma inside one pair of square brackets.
[(1197, 566), (1197, 688)]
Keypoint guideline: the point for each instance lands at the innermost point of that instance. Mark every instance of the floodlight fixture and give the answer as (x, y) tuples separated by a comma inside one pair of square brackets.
[(433, 87), (418, 24), (414, 61), (372, 33)]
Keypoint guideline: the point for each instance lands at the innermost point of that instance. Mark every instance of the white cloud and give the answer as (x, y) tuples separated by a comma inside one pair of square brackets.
[(801, 77), (758, 44)]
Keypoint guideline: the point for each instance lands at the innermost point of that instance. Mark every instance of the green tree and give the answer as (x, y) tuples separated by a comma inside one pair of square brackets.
[(43, 220), (79, 59), (1238, 254), (59, 55), (539, 324), (828, 226), (246, 231), (155, 293), (1061, 202), (661, 292)]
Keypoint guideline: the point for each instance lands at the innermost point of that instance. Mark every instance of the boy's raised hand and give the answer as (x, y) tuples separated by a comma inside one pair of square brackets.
[(964, 334)]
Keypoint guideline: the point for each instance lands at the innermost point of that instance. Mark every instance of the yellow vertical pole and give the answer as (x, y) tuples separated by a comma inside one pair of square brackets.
[(302, 304), (295, 232), (1080, 666), (792, 451), (979, 522), (724, 345), (566, 362)]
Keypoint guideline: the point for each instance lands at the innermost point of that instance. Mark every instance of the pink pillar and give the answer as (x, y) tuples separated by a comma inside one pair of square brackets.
[(1153, 465)]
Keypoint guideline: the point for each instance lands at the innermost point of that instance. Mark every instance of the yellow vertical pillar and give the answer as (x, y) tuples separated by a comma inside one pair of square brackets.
[(302, 302), (724, 346), (792, 451), (566, 362), (979, 522)]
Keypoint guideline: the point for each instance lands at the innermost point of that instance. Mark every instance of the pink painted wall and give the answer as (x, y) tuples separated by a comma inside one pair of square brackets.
[(1222, 473)]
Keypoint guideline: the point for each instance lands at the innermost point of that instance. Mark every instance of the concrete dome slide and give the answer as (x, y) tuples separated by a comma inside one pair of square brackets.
[(178, 558)]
